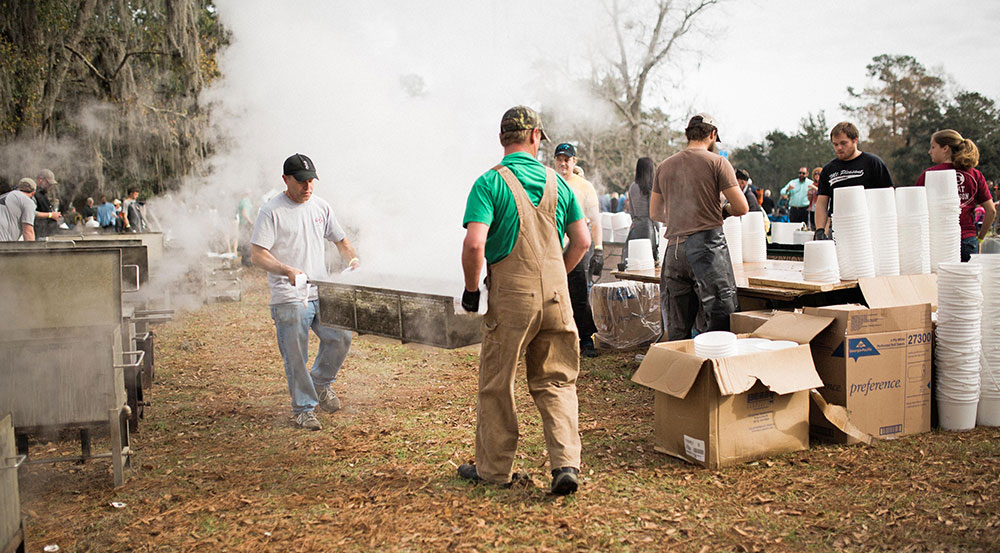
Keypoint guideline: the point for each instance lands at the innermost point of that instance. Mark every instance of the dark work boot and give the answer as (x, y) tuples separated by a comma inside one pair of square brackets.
[(565, 480)]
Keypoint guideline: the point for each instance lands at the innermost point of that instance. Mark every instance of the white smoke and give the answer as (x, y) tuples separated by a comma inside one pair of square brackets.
[(398, 104)]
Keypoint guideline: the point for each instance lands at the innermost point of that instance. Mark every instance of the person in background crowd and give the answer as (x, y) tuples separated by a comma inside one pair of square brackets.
[(71, 218), (119, 217), (743, 180), (88, 209), (106, 214), (638, 202), (17, 212), (593, 261), (46, 216), (696, 278), (797, 194), (615, 208), (288, 243), (132, 212), (813, 190), (852, 167), (605, 200), (767, 204), (950, 151), (516, 216)]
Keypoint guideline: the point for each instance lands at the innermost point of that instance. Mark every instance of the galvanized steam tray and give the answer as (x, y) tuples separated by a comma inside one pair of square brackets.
[(406, 316)]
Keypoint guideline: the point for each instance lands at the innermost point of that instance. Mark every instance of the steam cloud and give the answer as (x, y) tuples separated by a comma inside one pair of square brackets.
[(398, 105)]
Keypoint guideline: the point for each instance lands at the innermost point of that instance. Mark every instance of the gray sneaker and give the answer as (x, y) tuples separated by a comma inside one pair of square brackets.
[(308, 421), (328, 401)]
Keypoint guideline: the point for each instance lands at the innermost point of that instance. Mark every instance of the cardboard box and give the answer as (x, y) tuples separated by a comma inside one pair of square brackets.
[(745, 322), (721, 412), (876, 362)]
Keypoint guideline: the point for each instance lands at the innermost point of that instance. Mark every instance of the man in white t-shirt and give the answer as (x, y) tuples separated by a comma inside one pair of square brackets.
[(288, 242), (17, 212)]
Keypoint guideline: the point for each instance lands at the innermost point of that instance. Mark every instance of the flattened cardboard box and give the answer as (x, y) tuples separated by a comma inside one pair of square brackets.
[(721, 412), (876, 362)]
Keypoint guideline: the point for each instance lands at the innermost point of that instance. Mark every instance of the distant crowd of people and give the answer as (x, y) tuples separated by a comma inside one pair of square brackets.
[(31, 211)]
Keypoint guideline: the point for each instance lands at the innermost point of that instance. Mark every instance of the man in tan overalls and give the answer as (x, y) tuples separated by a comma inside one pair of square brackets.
[(515, 217)]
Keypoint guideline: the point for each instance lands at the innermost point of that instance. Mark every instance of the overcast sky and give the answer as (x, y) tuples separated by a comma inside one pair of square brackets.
[(777, 60)]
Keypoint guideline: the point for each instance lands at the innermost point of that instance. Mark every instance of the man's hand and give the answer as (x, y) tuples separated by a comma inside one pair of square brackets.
[(820, 234), (470, 300)]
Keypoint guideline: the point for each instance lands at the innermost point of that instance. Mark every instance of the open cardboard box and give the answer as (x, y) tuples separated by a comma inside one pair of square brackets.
[(721, 412), (876, 361)]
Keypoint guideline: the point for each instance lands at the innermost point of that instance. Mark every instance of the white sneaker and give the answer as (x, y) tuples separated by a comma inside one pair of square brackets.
[(308, 421), (328, 401)]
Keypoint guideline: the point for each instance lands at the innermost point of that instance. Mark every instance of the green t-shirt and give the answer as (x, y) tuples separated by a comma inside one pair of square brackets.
[(491, 203)]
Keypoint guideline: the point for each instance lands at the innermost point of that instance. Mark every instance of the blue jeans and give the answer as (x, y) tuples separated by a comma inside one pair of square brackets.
[(292, 322), (970, 246)]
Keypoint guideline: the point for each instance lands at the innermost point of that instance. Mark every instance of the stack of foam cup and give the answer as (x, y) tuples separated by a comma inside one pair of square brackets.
[(640, 255), (852, 233), (819, 262), (620, 225), (943, 208), (913, 230), (754, 238), (988, 412), (732, 227), (714, 344), (885, 235), (958, 344), (607, 231)]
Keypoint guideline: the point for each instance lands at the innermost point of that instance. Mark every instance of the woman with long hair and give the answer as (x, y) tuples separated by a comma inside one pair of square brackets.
[(949, 150), (638, 202)]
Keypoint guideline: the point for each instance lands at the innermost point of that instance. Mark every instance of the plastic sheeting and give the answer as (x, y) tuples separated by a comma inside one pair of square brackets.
[(627, 313)]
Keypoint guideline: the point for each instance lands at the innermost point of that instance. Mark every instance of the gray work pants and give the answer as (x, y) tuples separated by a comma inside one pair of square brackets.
[(697, 285)]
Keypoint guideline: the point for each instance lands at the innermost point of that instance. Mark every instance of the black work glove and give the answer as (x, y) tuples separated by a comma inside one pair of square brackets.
[(470, 300), (820, 234), (597, 263)]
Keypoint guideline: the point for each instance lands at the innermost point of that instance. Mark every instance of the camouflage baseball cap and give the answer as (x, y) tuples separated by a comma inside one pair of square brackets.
[(521, 118)]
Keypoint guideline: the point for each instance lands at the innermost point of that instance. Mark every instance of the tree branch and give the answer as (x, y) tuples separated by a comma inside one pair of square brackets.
[(86, 62)]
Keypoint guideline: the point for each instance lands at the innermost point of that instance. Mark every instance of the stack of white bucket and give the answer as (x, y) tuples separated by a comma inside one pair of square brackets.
[(913, 230), (989, 395), (819, 262), (640, 255), (882, 225), (607, 231), (784, 233), (943, 208), (732, 227), (620, 225), (852, 233), (753, 238), (958, 341)]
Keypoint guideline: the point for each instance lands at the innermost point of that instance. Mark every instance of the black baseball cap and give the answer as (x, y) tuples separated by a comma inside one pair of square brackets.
[(742, 175), (300, 167), (565, 149)]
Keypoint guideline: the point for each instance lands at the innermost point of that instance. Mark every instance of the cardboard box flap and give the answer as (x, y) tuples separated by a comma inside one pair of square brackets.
[(782, 371), (667, 370), (796, 327), (896, 291)]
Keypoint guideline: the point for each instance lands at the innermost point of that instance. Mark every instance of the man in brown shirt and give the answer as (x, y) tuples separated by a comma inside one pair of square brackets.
[(696, 279)]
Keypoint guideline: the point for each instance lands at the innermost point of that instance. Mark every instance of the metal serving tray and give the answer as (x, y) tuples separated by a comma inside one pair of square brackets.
[(406, 316)]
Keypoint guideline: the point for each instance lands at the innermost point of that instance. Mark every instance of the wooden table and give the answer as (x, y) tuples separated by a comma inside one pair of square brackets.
[(755, 295)]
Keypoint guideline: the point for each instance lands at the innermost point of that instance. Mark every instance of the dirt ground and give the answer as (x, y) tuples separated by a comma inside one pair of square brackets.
[(218, 466)]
